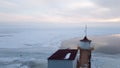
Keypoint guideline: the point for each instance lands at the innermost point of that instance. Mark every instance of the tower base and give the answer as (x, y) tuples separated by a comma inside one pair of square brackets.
[(85, 58)]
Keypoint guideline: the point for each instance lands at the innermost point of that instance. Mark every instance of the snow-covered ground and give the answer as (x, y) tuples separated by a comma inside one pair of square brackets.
[(105, 61), (30, 48)]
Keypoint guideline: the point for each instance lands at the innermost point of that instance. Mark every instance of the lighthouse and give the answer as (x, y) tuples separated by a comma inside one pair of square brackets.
[(85, 49), (73, 58)]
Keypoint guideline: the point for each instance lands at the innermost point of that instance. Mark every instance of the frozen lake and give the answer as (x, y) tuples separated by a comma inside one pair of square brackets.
[(29, 48)]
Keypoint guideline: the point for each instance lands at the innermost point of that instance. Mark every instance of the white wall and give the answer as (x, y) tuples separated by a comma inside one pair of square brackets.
[(63, 63), (60, 64), (75, 62)]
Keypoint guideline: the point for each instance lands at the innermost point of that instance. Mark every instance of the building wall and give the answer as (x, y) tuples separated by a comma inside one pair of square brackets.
[(60, 64), (75, 62)]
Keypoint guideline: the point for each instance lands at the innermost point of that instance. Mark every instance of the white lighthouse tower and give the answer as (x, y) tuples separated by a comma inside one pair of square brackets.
[(85, 49)]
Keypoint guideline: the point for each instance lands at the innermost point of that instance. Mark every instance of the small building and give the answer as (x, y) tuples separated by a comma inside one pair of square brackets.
[(63, 58)]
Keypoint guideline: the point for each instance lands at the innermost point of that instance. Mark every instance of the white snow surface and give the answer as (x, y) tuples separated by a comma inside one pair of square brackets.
[(105, 61), (31, 48)]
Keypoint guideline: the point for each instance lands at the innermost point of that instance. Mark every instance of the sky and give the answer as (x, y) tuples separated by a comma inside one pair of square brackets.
[(66, 12)]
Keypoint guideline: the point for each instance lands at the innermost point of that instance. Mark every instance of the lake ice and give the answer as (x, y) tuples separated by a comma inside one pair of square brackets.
[(29, 48)]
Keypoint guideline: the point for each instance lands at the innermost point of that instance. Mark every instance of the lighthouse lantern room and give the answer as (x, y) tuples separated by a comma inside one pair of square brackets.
[(85, 43)]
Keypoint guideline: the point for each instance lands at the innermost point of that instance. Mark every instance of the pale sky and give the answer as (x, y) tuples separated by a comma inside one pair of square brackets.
[(60, 11)]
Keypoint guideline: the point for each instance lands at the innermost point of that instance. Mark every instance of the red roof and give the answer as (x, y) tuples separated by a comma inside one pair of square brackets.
[(85, 39), (61, 54)]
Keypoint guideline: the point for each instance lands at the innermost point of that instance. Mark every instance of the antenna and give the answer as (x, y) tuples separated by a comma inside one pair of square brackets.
[(85, 30)]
